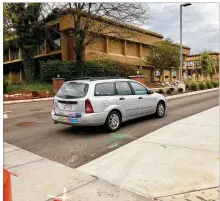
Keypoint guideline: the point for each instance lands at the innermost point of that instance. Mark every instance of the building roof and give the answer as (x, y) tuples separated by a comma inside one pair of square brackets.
[(184, 46), (209, 53), (53, 16)]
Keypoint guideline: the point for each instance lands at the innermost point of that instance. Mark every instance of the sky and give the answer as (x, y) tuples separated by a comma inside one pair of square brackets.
[(200, 24)]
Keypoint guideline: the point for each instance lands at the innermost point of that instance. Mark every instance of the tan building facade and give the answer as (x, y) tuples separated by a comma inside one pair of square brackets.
[(192, 66), (132, 50)]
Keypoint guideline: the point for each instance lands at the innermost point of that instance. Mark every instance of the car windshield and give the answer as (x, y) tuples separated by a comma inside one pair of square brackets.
[(72, 90)]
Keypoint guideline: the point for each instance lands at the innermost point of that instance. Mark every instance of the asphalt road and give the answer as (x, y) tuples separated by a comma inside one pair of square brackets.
[(76, 146)]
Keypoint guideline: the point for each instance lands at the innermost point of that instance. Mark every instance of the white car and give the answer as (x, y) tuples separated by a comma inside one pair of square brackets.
[(109, 101)]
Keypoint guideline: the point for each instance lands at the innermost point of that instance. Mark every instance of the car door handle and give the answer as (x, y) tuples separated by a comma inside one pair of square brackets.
[(140, 97), (121, 98)]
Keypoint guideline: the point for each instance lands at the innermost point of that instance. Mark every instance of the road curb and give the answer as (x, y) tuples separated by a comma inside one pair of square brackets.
[(191, 93), (27, 101), (168, 97)]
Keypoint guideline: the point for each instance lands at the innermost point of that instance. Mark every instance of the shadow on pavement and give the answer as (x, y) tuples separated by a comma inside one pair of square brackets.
[(102, 130)]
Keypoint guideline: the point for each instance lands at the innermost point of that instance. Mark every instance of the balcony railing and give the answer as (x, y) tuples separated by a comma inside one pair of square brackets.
[(15, 54), (6, 57)]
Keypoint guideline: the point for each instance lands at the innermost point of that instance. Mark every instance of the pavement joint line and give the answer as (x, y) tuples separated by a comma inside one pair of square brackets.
[(95, 179), (197, 124), (202, 189), (12, 150), (7, 112), (26, 163), (181, 147)]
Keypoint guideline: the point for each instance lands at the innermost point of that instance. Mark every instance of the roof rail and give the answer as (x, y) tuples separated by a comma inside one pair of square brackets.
[(95, 78)]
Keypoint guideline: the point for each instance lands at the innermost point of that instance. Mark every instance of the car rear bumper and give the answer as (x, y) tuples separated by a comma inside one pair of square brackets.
[(94, 119)]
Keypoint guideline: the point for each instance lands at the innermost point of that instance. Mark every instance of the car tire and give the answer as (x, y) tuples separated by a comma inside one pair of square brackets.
[(113, 121), (160, 111)]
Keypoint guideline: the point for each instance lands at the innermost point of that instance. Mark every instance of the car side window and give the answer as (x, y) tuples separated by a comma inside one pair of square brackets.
[(138, 88), (105, 89), (123, 88)]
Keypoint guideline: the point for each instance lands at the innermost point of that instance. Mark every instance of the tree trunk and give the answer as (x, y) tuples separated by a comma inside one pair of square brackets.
[(79, 37), (211, 76), (28, 64)]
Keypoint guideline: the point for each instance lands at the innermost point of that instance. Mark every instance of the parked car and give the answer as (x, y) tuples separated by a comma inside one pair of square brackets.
[(109, 101)]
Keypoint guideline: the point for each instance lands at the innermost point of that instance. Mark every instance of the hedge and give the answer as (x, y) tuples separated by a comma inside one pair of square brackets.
[(98, 68), (5, 84)]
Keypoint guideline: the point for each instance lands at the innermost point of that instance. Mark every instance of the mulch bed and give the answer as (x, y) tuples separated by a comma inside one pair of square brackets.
[(176, 93), (24, 95)]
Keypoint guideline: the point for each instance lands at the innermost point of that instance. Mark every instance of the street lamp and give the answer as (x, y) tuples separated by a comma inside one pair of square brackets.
[(181, 48)]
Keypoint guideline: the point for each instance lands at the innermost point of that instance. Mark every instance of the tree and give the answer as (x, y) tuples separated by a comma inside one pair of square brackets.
[(205, 62), (21, 23), (217, 65), (90, 20), (164, 55)]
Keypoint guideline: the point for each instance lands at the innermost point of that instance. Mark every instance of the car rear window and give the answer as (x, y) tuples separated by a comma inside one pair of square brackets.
[(105, 89), (72, 90)]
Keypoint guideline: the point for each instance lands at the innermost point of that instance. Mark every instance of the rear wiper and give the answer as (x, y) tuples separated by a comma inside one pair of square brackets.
[(70, 97)]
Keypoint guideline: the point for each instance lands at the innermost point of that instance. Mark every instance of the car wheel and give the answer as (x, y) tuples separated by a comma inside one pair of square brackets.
[(160, 111), (113, 121)]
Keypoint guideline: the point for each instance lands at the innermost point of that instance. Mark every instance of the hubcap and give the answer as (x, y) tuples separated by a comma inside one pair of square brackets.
[(160, 110), (114, 121)]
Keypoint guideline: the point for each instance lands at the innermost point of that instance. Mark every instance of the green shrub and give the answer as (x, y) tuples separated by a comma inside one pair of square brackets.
[(187, 85), (202, 86), (5, 84), (216, 83), (169, 91), (14, 79), (193, 86), (98, 68), (209, 85), (180, 90), (49, 69), (160, 91)]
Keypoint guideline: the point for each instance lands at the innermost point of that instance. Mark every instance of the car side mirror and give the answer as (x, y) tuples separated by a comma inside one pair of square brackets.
[(150, 91)]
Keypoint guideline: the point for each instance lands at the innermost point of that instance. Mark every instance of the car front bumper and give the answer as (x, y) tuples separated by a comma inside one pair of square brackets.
[(94, 119)]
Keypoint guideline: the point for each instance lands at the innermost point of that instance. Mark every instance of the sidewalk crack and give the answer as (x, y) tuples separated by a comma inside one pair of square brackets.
[(26, 163), (75, 188), (189, 191)]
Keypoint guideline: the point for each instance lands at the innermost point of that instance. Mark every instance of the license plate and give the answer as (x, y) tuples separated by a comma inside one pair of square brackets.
[(68, 119), (67, 106)]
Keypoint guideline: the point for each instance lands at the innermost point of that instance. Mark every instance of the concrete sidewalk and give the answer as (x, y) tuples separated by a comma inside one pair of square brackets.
[(39, 179), (177, 162)]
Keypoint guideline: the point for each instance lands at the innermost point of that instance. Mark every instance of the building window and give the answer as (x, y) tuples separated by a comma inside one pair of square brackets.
[(6, 56), (174, 73), (15, 54), (197, 63), (55, 42), (189, 63), (157, 73), (40, 48)]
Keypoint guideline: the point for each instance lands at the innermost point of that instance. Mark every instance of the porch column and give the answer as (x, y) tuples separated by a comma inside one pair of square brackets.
[(106, 45), (64, 48), (9, 54)]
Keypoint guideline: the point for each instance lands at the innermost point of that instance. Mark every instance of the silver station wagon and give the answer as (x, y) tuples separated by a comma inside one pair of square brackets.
[(109, 101)]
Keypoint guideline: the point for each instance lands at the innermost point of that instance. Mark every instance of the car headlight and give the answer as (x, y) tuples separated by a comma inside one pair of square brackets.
[(55, 103)]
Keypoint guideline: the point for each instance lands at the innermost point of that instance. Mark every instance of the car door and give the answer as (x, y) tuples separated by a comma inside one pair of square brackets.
[(126, 99), (145, 101)]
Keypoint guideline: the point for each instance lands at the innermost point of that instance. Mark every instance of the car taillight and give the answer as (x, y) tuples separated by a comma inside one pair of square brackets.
[(88, 106)]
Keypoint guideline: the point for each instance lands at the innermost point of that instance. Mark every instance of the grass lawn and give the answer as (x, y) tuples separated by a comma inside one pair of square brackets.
[(35, 86)]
